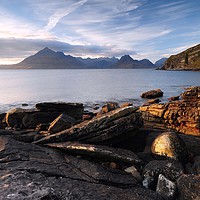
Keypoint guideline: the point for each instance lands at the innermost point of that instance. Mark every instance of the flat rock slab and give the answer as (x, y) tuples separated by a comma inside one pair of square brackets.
[(28, 171), (99, 152), (99, 129), (74, 110)]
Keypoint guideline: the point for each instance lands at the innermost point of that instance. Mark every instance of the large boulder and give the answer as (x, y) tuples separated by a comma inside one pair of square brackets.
[(152, 94), (74, 110), (170, 145), (99, 129)]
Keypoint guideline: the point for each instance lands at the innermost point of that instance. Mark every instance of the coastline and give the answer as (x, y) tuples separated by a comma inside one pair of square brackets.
[(113, 152)]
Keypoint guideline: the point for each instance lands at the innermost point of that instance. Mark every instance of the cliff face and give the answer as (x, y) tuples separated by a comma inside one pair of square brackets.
[(186, 60)]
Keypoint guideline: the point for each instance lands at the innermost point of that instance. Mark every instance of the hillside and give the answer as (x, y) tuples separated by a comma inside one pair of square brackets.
[(186, 60)]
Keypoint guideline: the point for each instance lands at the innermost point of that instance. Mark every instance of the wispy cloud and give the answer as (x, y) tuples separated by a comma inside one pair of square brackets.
[(60, 13)]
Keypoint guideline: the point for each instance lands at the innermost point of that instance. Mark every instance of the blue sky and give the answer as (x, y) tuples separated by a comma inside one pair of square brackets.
[(98, 28)]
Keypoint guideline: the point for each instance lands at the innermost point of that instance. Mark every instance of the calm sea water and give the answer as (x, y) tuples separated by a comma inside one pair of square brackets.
[(89, 86)]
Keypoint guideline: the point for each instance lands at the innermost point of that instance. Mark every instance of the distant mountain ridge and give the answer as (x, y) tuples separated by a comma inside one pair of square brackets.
[(126, 62), (186, 60), (49, 59), (159, 63)]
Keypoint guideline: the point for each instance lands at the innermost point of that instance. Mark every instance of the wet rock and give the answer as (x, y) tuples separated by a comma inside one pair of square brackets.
[(152, 101), (100, 152), (196, 166), (29, 171), (174, 98), (166, 188), (109, 106), (170, 145), (99, 129), (61, 123), (152, 94), (31, 120), (171, 169), (74, 110), (189, 187), (14, 117)]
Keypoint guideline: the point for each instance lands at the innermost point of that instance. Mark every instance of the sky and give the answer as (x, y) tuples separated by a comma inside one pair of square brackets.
[(149, 29)]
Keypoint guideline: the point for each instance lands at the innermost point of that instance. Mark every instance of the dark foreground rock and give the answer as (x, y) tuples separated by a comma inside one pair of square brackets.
[(171, 169), (99, 152), (28, 171), (74, 110), (189, 187), (99, 129)]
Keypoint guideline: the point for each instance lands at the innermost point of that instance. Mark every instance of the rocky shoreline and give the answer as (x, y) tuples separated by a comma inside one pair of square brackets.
[(62, 151)]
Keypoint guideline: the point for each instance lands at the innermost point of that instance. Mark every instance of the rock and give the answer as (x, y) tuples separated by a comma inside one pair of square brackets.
[(175, 98), (74, 110), (126, 104), (109, 106), (99, 129), (153, 113), (31, 120), (14, 117), (24, 104), (196, 165), (61, 123), (29, 171), (152, 94), (152, 101), (132, 170), (182, 116), (171, 169), (192, 93), (42, 127), (87, 115), (189, 187), (2, 121), (99, 152), (170, 145), (166, 188)]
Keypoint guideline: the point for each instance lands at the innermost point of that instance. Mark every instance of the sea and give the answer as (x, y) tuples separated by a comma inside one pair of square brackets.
[(19, 88)]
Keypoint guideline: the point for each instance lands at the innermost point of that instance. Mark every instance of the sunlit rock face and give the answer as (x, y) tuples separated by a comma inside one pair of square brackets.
[(182, 115), (170, 145)]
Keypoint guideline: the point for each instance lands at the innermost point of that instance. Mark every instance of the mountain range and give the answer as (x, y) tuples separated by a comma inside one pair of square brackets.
[(49, 59)]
